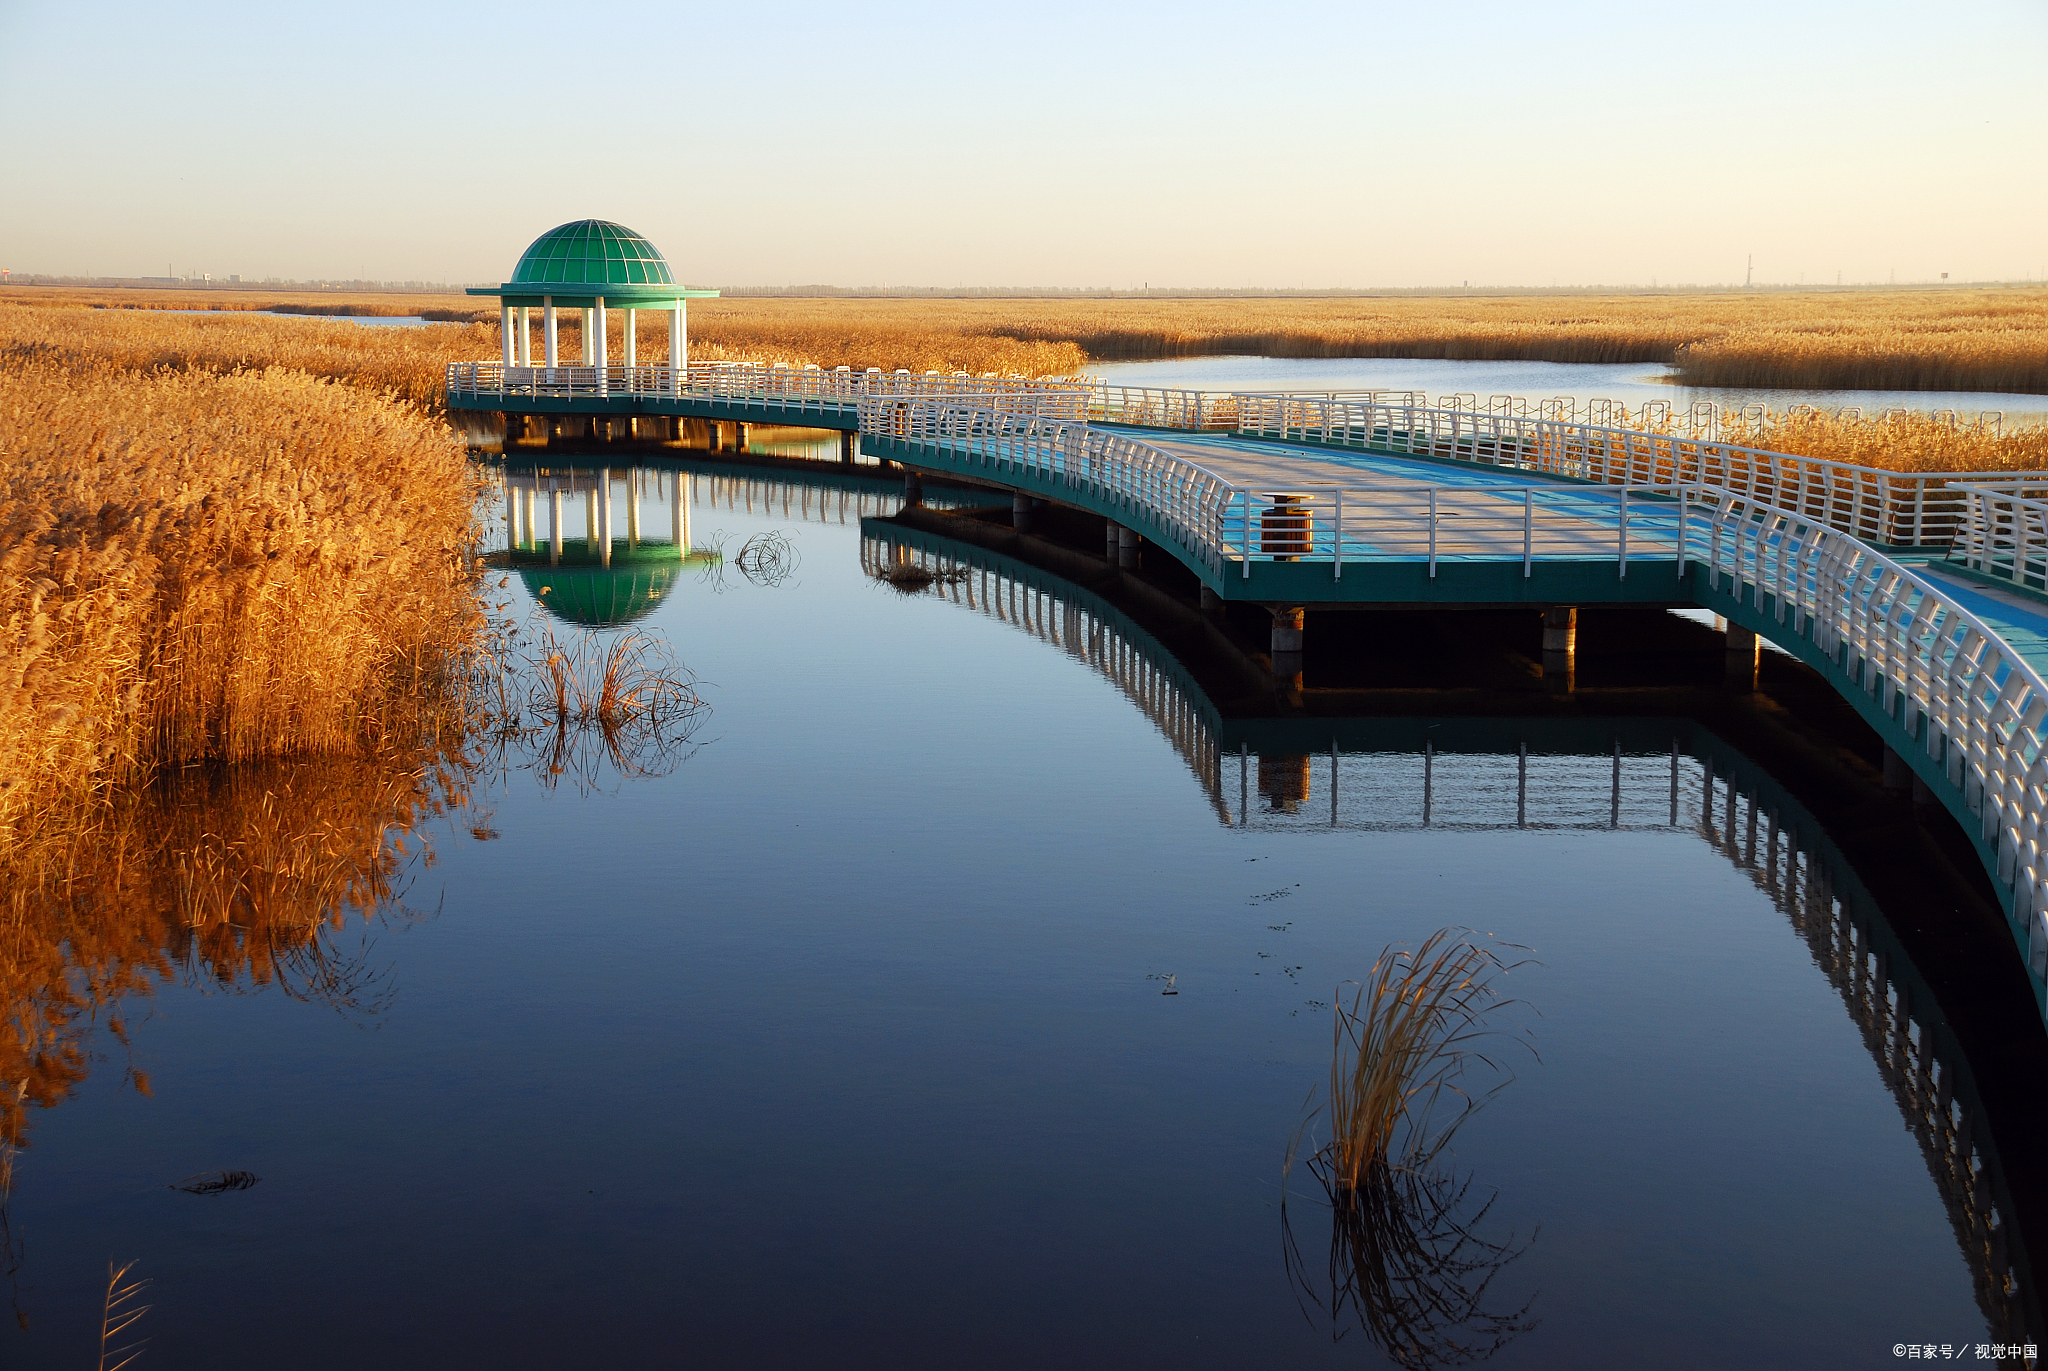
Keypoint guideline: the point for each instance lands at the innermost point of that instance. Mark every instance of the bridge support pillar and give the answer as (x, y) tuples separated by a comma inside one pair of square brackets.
[(1289, 631), (1128, 544), (1020, 512), (1560, 641), (1739, 672), (913, 487), (1211, 601), (849, 447), (739, 437), (1110, 540), (1898, 776)]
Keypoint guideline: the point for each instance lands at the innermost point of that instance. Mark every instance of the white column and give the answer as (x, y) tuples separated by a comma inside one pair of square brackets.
[(675, 348), (604, 517), (589, 352), (679, 487), (590, 520), (511, 514), (632, 352), (632, 509), (526, 515), (555, 524), (547, 329), (505, 334), (599, 345), (525, 338)]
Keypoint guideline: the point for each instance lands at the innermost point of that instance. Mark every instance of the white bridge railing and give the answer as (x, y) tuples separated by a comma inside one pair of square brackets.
[(1890, 508), (1331, 523), (1972, 703), (1895, 508), (806, 390), (2005, 531)]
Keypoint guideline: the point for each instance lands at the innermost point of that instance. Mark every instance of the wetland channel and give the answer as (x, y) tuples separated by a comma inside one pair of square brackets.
[(841, 1035)]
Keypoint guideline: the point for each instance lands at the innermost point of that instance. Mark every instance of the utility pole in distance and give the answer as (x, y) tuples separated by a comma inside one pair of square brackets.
[(1748, 270)]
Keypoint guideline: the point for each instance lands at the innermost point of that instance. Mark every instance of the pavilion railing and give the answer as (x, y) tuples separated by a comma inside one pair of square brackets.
[(808, 389)]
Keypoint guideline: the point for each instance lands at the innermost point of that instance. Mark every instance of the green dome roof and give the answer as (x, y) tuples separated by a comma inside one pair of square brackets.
[(598, 596), (592, 252)]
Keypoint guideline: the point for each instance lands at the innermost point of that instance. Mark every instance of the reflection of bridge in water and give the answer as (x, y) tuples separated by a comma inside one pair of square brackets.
[(1546, 774), (593, 509)]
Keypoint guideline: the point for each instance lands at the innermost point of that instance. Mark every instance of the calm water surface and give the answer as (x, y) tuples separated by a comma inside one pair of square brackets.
[(1632, 383), (844, 1042)]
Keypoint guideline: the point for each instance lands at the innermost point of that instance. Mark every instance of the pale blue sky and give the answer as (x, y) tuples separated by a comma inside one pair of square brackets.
[(872, 142)]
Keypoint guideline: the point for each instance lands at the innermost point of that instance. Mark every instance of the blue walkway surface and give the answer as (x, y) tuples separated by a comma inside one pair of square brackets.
[(1224, 453), (2019, 619)]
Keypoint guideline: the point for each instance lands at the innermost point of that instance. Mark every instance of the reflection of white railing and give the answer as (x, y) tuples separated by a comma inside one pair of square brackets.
[(1971, 702), (1334, 523), (805, 390)]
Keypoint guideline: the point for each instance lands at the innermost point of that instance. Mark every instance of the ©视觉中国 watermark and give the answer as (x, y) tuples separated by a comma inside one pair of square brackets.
[(2023, 1353)]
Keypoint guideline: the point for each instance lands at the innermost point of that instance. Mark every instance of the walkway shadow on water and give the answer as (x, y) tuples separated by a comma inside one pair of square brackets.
[(1925, 973)]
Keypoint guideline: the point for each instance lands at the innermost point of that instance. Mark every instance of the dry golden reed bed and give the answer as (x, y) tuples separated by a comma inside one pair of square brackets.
[(1993, 340), (208, 567), (1970, 340)]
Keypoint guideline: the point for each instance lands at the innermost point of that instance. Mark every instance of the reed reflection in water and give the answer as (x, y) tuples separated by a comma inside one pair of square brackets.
[(237, 879)]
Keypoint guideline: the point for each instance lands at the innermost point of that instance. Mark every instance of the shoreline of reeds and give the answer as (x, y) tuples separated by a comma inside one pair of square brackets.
[(1972, 340), (201, 566)]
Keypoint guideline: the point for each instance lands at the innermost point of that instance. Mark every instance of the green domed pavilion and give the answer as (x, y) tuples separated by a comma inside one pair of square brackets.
[(592, 265)]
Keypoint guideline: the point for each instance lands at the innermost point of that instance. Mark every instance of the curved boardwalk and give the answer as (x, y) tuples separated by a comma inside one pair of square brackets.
[(1337, 504)]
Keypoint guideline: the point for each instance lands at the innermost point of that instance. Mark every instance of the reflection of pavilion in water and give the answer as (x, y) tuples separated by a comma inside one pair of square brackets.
[(602, 545), (1565, 775)]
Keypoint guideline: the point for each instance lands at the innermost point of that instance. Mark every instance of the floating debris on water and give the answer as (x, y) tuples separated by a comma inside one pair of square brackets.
[(217, 1182)]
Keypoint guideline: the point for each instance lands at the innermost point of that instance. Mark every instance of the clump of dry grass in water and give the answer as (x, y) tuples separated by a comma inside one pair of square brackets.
[(574, 706), (913, 577), (1410, 1058)]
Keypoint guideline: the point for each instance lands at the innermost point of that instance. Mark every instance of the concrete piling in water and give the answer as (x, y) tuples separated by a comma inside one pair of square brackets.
[(1744, 649), (913, 487), (1211, 601), (1128, 544), (1561, 645), (849, 447), (1898, 776), (1020, 512), (1111, 538), (1289, 631)]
